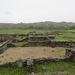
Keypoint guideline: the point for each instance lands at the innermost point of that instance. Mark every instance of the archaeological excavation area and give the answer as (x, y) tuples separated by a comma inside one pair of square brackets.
[(29, 49)]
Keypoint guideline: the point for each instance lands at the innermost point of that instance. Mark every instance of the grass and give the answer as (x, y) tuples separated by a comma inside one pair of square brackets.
[(21, 38), (13, 71), (18, 31), (0, 61), (19, 43), (56, 67), (52, 50), (2, 56), (66, 36), (49, 67), (44, 50)]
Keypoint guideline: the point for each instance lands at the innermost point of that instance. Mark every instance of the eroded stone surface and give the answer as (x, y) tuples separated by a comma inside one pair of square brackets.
[(70, 54)]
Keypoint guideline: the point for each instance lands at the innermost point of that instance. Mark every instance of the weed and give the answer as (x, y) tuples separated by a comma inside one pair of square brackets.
[(0, 61), (11, 58), (32, 57), (44, 50), (6, 54), (52, 50), (60, 56), (2, 56), (31, 52)]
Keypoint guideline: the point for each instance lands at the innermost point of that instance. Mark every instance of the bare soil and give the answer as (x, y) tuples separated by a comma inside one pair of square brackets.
[(12, 54)]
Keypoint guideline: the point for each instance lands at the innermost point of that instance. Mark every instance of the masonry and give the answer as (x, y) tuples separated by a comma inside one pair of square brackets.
[(5, 37), (33, 41), (50, 43)]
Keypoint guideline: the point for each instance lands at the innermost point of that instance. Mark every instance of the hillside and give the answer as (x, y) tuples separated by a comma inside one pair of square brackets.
[(37, 25)]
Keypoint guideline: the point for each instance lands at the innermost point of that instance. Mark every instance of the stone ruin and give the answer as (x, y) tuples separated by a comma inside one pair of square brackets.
[(32, 41), (70, 54)]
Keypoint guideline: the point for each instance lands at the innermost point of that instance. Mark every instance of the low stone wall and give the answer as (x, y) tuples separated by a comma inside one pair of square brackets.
[(50, 43), (35, 38), (5, 45), (29, 63), (40, 38), (10, 45), (62, 43), (2, 49), (25, 39), (35, 43), (5, 37), (47, 60), (70, 54)]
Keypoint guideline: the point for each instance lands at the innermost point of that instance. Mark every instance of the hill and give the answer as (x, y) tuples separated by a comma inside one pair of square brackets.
[(38, 25)]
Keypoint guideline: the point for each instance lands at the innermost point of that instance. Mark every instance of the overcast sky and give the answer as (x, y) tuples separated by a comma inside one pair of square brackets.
[(15, 11)]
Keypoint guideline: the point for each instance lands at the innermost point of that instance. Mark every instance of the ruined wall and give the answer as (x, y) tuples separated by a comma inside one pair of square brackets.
[(5, 45), (35, 61), (70, 54), (41, 38), (50, 44), (5, 37), (62, 43), (34, 44), (29, 63)]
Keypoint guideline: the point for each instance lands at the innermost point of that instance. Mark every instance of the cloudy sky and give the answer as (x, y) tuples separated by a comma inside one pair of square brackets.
[(15, 11)]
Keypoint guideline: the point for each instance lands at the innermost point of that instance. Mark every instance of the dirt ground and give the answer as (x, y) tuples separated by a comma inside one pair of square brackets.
[(12, 54)]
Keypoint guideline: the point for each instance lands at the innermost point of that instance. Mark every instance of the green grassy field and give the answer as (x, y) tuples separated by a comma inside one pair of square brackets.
[(18, 31), (13, 71), (51, 67), (56, 67)]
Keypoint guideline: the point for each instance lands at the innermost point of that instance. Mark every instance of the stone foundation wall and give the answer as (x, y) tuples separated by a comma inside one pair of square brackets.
[(50, 43), (5, 45), (29, 63), (5, 37), (41, 38), (63, 43), (70, 54), (34, 44)]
